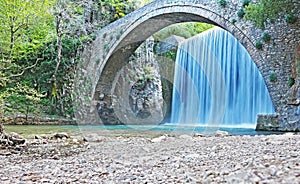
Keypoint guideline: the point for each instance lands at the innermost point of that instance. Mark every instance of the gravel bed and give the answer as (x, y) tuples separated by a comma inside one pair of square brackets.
[(163, 159)]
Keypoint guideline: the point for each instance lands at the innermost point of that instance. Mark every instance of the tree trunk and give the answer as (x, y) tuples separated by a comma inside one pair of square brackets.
[(59, 49), (12, 42), (58, 57)]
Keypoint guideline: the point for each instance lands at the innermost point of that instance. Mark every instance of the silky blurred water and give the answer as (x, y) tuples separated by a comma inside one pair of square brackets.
[(216, 83)]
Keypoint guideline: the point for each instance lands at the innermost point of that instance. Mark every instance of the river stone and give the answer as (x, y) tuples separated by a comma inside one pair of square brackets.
[(61, 135), (220, 133), (159, 139), (93, 138)]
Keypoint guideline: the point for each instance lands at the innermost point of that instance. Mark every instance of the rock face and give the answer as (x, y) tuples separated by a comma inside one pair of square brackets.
[(168, 44), (137, 92), (268, 122)]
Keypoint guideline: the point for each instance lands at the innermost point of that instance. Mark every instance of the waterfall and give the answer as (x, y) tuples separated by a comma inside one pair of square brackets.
[(216, 83)]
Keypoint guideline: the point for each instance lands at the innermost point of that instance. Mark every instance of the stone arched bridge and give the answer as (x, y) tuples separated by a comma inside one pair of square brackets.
[(115, 43)]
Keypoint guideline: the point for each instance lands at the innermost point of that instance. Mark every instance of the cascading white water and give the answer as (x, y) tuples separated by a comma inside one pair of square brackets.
[(217, 83)]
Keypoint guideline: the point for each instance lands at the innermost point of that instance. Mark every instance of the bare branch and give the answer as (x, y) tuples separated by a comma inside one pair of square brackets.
[(27, 68)]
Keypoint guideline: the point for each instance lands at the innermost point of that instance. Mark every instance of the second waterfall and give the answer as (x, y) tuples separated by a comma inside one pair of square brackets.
[(216, 83)]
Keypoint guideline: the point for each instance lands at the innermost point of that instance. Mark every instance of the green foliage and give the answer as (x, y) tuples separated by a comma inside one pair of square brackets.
[(265, 10), (185, 30), (111, 37), (140, 82), (241, 13), (31, 33), (144, 2), (170, 54), (148, 73), (273, 77), (246, 2), (290, 18), (106, 47), (119, 33), (98, 60), (20, 98), (58, 93), (258, 44), (291, 81), (118, 36), (24, 27), (148, 69), (222, 3), (111, 10), (7, 71), (266, 37), (86, 39)]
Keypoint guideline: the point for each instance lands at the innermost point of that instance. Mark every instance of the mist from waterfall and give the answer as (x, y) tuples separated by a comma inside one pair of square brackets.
[(216, 83)]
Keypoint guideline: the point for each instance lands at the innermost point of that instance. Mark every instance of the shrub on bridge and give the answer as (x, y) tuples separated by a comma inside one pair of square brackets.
[(241, 13), (246, 2), (291, 81), (258, 44), (222, 3), (291, 19), (273, 77), (266, 37), (233, 20)]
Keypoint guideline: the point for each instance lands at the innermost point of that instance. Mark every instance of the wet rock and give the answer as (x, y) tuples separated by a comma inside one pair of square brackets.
[(11, 139), (61, 135), (17, 140), (37, 137)]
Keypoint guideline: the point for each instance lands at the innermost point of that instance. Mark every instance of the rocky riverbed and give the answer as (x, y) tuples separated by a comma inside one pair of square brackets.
[(161, 159)]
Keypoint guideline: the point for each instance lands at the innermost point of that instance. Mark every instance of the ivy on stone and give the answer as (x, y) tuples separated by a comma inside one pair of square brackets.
[(241, 13), (266, 37), (222, 3), (258, 44), (273, 77)]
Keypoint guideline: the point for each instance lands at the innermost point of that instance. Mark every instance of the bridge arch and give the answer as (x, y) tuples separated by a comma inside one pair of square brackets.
[(116, 42), (154, 20)]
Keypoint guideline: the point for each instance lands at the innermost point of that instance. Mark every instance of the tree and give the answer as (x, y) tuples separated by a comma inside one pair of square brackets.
[(268, 10), (185, 30), (19, 22), (24, 27), (23, 30), (40, 46)]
